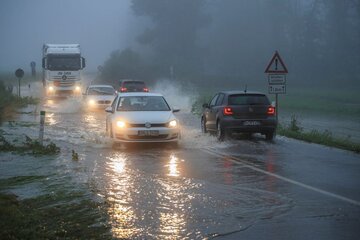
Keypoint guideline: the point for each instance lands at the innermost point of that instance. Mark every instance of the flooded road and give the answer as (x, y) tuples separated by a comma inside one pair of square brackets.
[(203, 189)]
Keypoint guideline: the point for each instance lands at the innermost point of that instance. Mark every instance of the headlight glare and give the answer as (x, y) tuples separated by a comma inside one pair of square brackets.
[(120, 124), (91, 102), (173, 124)]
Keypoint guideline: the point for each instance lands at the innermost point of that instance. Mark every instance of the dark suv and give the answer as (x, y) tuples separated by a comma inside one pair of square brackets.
[(133, 86), (239, 111)]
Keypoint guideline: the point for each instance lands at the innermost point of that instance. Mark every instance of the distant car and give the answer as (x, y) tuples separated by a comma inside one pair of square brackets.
[(133, 86), (99, 96), (241, 112), (141, 117)]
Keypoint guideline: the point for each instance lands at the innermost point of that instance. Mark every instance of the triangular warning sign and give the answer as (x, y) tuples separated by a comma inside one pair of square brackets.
[(276, 65)]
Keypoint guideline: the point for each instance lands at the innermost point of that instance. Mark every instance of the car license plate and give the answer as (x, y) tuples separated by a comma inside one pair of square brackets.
[(148, 133), (251, 123)]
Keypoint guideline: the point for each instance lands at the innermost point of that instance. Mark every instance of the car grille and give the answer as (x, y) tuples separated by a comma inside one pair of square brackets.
[(142, 125), (103, 102), (136, 137)]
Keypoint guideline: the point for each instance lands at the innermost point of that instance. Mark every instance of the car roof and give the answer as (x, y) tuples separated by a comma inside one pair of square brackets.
[(139, 94), (100, 85), (241, 92)]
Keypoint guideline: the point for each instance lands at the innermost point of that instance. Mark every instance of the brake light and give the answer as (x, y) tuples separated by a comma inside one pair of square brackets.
[(146, 89), (123, 89), (228, 111), (271, 110)]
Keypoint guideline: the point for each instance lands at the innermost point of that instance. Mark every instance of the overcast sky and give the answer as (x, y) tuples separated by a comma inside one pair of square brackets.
[(100, 26)]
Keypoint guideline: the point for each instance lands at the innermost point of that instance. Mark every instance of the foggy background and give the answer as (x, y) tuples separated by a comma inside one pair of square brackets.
[(99, 26), (220, 41)]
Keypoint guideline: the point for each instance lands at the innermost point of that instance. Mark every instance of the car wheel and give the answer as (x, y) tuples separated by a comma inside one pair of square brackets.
[(270, 135), (203, 125), (220, 133)]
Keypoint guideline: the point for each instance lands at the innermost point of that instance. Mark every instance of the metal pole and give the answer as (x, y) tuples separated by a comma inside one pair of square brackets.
[(42, 123), (19, 86), (276, 106)]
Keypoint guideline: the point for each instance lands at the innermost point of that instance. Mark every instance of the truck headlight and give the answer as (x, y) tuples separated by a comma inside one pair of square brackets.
[(173, 124)]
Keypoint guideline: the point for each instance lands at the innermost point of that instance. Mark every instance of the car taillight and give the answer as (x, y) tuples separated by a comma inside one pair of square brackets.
[(228, 111), (123, 89), (271, 110), (146, 90)]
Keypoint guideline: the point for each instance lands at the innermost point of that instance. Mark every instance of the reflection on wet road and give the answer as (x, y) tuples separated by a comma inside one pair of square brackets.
[(162, 192)]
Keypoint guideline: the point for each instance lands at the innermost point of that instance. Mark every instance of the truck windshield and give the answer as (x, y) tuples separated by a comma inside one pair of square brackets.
[(64, 62)]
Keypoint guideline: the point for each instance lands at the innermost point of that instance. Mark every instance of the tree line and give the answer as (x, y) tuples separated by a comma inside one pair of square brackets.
[(234, 39)]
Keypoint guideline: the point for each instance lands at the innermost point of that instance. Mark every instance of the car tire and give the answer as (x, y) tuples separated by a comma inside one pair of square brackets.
[(220, 132), (203, 125), (270, 135)]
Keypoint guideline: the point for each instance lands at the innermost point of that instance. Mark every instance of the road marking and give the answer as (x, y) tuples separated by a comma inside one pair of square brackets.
[(237, 160)]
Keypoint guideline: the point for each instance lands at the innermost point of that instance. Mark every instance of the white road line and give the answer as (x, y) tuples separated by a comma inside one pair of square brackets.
[(240, 161)]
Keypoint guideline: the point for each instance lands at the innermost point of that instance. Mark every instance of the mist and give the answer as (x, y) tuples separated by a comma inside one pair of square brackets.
[(99, 26)]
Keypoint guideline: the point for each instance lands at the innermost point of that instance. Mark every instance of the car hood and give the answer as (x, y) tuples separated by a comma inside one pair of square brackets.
[(100, 97), (146, 116)]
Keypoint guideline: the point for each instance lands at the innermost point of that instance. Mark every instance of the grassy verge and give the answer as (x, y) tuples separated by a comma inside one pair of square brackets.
[(293, 130), (52, 216), (9, 102), (30, 146)]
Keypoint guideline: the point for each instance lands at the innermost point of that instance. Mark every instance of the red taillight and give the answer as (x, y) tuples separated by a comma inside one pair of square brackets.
[(228, 111), (146, 90), (123, 89), (271, 110)]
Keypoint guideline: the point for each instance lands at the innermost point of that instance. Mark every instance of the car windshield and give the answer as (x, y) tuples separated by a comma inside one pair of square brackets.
[(142, 103), (58, 62), (247, 99), (101, 91)]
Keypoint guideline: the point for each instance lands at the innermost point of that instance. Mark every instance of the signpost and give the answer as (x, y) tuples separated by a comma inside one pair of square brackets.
[(19, 73), (276, 71)]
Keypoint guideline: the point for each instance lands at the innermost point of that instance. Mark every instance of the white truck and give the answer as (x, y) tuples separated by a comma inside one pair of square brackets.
[(62, 69)]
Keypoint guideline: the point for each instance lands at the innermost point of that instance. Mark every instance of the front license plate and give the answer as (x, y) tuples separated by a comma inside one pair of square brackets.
[(148, 133), (252, 123)]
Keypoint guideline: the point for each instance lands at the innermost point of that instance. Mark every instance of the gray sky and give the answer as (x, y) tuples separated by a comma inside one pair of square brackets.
[(100, 26)]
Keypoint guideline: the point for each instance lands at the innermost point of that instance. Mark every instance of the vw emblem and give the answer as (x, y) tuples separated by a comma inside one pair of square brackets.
[(64, 77), (148, 125)]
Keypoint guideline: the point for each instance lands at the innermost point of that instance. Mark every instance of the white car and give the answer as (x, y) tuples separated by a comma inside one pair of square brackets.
[(141, 117), (99, 96)]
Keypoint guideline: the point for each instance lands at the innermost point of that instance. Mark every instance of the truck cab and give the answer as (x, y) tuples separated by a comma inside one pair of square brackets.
[(62, 69)]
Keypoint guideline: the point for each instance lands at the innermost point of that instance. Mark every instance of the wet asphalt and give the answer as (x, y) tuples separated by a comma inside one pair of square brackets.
[(239, 189)]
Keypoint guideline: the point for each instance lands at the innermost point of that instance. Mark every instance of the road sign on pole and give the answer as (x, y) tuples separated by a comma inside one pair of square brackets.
[(19, 73), (276, 71)]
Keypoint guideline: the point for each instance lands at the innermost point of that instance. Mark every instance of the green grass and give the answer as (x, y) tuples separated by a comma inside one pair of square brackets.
[(30, 146), (53, 216), (326, 138)]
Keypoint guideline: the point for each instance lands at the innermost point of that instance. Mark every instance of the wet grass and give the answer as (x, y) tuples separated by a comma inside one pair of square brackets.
[(30, 146), (9, 102), (293, 130), (53, 216)]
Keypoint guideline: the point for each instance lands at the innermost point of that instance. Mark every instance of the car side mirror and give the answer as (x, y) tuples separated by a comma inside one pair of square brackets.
[(205, 105), (176, 110), (109, 110)]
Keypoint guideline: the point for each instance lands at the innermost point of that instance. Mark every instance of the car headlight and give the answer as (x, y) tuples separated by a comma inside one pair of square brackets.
[(173, 124), (91, 102), (51, 88), (120, 124), (77, 88)]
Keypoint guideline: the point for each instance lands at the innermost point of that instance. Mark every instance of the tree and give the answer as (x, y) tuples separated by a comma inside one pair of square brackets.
[(174, 32)]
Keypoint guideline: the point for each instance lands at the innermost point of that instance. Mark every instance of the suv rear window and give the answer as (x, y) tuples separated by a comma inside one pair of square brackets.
[(248, 99), (137, 84)]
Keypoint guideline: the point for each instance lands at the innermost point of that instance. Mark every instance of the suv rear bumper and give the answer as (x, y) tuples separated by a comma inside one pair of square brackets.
[(239, 125)]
